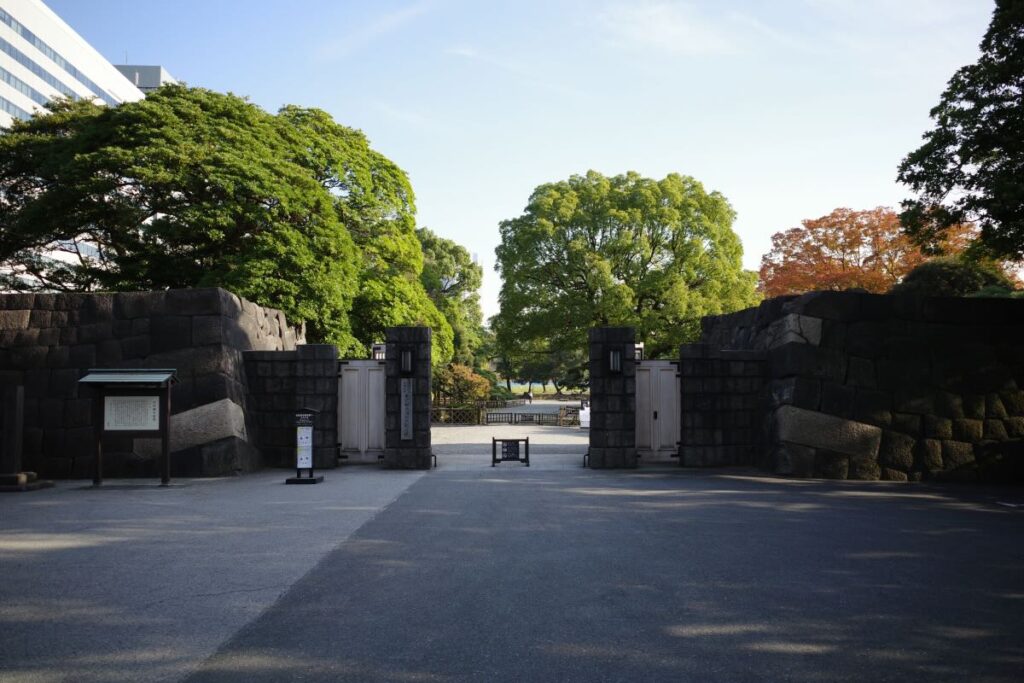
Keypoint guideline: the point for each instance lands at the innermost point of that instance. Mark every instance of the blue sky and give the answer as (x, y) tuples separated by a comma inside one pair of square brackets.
[(790, 108)]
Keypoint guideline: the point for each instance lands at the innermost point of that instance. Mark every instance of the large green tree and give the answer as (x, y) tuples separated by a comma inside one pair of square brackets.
[(626, 250), (375, 202), (186, 188), (452, 281), (971, 165), (192, 188)]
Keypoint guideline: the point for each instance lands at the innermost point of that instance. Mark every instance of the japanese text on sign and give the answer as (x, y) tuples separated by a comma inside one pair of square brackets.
[(131, 413), (510, 450), (406, 409), (303, 447)]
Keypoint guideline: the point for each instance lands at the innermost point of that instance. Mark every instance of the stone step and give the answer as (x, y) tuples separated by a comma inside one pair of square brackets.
[(22, 481)]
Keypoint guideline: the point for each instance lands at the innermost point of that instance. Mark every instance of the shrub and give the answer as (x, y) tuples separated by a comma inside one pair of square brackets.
[(461, 384), (953, 277), (500, 393)]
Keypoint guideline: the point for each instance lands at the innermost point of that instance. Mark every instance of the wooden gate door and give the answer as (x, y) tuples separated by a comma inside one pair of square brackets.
[(361, 408), (657, 409)]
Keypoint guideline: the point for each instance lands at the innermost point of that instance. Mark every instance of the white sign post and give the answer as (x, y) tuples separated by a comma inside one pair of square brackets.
[(304, 422), (304, 448)]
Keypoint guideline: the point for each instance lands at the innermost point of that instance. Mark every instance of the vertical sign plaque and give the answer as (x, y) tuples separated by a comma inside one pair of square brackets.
[(406, 409), (305, 421), (304, 447)]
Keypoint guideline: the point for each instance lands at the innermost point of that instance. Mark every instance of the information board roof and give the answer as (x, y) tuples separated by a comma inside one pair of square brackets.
[(127, 376)]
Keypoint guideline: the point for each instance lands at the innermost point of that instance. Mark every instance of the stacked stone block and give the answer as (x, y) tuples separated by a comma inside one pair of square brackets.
[(48, 341), (283, 382), (414, 453), (872, 386), (613, 399), (723, 395)]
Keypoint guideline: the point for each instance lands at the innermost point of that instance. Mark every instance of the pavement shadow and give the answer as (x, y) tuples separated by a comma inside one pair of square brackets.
[(654, 576)]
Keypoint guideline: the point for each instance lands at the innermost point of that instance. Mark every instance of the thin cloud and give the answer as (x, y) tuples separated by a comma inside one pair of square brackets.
[(462, 51), (404, 115), (362, 36), (782, 38), (514, 68), (905, 13), (682, 28), (673, 27), (865, 31)]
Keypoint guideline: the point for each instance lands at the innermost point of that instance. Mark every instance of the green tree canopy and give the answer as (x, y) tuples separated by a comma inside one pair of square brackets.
[(452, 280), (394, 300), (627, 250), (971, 165), (192, 188), (953, 276), (375, 202)]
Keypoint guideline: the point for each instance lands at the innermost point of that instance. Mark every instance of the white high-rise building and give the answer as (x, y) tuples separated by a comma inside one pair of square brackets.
[(42, 58)]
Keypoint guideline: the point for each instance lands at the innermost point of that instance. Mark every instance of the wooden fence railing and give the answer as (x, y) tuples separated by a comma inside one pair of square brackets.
[(567, 416), (446, 402), (457, 416)]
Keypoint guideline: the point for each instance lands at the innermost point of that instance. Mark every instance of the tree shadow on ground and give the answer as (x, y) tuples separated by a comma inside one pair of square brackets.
[(655, 576)]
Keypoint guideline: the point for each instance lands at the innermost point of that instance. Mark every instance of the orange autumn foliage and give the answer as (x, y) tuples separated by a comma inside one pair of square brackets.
[(846, 249)]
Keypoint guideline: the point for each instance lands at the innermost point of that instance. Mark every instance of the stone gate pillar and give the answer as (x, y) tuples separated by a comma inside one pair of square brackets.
[(407, 399), (612, 397)]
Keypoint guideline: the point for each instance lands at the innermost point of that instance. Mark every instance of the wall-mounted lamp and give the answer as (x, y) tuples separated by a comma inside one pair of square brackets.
[(639, 351), (406, 361), (615, 360)]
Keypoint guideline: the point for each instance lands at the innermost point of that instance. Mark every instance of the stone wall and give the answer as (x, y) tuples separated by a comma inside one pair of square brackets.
[(48, 341), (722, 406), (613, 399), (869, 386), (282, 382)]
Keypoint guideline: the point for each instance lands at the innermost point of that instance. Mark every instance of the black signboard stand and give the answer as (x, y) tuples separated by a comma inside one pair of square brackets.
[(133, 402), (510, 451)]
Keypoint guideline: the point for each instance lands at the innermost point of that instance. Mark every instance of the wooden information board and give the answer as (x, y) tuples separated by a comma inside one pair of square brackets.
[(132, 402)]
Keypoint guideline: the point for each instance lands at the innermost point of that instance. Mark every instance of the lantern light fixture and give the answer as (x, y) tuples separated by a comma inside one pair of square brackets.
[(615, 360)]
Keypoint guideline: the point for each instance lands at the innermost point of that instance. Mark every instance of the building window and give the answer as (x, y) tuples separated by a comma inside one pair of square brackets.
[(24, 60), (40, 45), (22, 87), (13, 109)]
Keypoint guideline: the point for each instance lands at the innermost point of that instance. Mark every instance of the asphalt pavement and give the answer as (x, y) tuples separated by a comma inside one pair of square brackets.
[(474, 573), (515, 574), (133, 582)]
